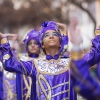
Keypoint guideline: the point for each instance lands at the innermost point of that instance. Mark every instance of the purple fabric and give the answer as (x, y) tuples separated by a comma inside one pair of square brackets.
[(49, 57), (33, 34), (1, 85), (88, 91), (98, 71), (88, 87), (93, 57)]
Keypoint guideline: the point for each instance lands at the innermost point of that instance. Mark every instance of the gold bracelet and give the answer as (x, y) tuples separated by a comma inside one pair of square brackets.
[(63, 32), (4, 40), (97, 32), (75, 55)]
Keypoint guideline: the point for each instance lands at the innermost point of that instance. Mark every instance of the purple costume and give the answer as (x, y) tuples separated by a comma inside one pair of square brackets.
[(7, 84), (52, 74), (25, 90)]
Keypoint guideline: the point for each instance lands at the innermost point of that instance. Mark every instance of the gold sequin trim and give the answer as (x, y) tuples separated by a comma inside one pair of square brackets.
[(97, 32), (57, 86), (56, 73), (6, 57), (47, 95), (4, 40), (76, 55), (60, 93)]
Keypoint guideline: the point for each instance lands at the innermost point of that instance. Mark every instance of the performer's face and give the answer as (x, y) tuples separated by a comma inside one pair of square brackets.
[(51, 39), (33, 47)]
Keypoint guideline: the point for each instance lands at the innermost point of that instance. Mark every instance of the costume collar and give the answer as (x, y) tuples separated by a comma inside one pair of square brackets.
[(33, 55), (49, 57)]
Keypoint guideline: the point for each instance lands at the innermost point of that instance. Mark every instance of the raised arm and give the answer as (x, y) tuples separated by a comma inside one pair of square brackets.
[(83, 82), (11, 63), (93, 57)]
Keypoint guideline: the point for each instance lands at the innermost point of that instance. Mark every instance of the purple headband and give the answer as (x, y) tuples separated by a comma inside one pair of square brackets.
[(33, 34)]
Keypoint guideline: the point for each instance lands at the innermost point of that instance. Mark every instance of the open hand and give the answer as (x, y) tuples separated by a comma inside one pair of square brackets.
[(74, 34)]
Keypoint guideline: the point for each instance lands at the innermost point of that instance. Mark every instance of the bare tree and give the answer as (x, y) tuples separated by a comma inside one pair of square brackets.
[(34, 12)]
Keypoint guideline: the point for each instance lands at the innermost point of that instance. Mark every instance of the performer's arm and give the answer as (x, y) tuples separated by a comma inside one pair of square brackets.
[(93, 57), (84, 84), (11, 63)]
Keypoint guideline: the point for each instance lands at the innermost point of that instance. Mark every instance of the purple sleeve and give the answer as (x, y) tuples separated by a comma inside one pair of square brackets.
[(93, 57), (83, 82), (12, 64)]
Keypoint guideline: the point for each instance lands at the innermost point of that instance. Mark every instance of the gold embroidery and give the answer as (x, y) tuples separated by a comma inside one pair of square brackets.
[(49, 89), (6, 57), (65, 67), (25, 58), (69, 86), (4, 40), (48, 96), (28, 86), (60, 93), (9, 75), (57, 86), (60, 85), (24, 88), (22, 66), (10, 94), (58, 70)]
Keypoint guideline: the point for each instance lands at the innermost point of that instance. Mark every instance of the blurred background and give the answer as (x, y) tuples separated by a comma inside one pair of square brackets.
[(19, 16)]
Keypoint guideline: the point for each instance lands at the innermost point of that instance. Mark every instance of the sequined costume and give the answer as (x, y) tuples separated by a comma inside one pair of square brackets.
[(52, 74), (52, 80), (7, 85), (24, 83)]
